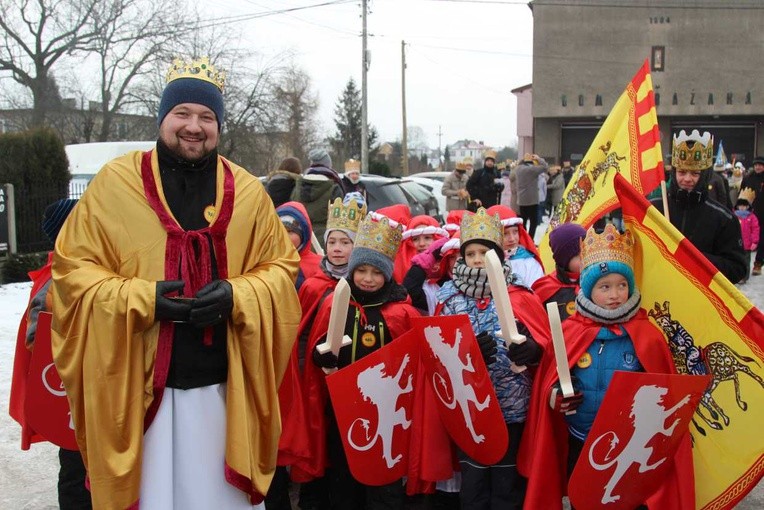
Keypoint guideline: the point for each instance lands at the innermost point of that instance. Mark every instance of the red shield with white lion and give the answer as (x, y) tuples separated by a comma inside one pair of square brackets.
[(373, 401), (45, 406), (464, 395), (631, 445)]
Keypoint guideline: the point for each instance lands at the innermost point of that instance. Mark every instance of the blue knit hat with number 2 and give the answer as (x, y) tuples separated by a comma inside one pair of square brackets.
[(604, 254), (196, 82)]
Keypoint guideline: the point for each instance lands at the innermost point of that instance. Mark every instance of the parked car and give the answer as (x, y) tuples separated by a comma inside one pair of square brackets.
[(436, 188), (438, 176), (386, 191)]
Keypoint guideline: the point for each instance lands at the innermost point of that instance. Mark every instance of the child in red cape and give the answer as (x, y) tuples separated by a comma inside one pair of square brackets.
[(380, 311), (608, 332), (421, 232), (561, 285), (520, 248)]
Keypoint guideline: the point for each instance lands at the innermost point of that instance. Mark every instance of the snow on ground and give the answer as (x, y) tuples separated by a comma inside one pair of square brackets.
[(28, 478)]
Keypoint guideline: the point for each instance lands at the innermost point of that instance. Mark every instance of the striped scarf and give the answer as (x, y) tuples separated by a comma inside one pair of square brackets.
[(623, 313), (473, 281)]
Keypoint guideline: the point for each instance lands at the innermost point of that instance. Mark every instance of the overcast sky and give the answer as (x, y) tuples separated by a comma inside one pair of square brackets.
[(463, 58)]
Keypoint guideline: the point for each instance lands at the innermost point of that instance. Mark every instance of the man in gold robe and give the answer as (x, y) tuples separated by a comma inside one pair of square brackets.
[(174, 316)]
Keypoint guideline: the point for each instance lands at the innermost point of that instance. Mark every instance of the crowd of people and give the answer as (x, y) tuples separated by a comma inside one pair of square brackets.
[(190, 304)]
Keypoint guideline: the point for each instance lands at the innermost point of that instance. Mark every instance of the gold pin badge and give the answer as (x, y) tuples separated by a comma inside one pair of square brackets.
[(368, 339), (209, 213), (584, 361), (570, 308)]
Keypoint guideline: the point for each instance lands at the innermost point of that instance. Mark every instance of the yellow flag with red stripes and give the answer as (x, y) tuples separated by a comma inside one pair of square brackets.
[(711, 328), (627, 144)]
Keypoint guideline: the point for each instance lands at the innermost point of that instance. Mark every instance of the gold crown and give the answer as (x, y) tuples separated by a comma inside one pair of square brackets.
[(345, 216), (501, 166), (468, 161), (747, 194), (697, 158), (201, 69), (379, 236), (481, 225), (610, 245), (461, 165), (490, 154), (352, 164)]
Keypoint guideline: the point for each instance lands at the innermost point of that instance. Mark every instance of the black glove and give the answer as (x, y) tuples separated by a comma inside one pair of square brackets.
[(487, 344), (213, 304), (168, 309), (326, 360), (567, 405), (526, 353)]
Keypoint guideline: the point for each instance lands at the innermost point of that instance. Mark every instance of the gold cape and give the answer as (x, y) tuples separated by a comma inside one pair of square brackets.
[(108, 256)]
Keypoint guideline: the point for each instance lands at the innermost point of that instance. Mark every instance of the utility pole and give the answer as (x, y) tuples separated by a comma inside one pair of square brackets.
[(404, 141), (440, 157), (364, 103)]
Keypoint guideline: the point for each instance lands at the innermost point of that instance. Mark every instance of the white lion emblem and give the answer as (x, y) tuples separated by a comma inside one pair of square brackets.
[(382, 391), (463, 393), (648, 417)]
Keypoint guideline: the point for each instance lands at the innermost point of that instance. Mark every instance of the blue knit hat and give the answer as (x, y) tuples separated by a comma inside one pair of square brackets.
[(590, 275), (55, 215), (191, 90), (376, 244)]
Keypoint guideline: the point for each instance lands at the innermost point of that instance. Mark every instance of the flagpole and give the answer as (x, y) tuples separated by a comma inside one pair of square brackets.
[(664, 195)]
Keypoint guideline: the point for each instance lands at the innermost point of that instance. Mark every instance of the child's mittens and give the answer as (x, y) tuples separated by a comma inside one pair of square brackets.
[(429, 258), (526, 353), (487, 344), (563, 404), (325, 360)]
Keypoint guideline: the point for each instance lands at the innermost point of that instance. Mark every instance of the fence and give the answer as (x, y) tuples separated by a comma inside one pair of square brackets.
[(31, 203)]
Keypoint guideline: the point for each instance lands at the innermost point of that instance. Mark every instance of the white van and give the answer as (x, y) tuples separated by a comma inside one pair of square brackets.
[(86, 159)]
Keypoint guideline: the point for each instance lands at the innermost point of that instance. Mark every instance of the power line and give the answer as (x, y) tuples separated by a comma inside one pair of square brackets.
[(248, 17)]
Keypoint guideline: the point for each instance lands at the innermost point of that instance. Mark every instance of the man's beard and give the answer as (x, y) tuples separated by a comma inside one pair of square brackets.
[(178, 151)]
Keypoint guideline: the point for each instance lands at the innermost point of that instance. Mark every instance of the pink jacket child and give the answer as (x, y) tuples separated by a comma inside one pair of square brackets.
[(749, 226)]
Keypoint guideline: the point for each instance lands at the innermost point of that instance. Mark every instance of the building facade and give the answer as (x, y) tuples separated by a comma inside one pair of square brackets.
[(705, 58)]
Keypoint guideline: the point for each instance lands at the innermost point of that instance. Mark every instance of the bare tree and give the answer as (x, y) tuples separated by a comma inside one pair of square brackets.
[(37, 34), (298, 105), (127, 47)]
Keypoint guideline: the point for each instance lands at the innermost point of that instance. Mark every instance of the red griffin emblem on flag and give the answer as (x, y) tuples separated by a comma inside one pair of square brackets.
[(465, 397), (373, 401), (46, 407), (633, 439)]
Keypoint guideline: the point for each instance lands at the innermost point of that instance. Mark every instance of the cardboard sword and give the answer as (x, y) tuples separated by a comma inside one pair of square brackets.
[(335, 335)]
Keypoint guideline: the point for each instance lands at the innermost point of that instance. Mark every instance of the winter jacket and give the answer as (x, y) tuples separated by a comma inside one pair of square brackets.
[(525, 178), (513, 390), (555, 187), (755, 181), (709, 226), (315, 190), (309, 260), (279, 186), (749, 228), (482, 186), (719, 190), (526, 266), (608, 352), (451, 186)]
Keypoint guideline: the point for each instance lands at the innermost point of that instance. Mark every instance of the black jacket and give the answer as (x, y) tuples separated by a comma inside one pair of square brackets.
[(756, 182), (713, 229), (482, 186)]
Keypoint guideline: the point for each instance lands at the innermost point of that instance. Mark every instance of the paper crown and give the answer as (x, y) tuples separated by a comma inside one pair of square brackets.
[(201, 69), (490, 154), (502, 165), (697, 158), (352, 164), (608, 246), (379, 236), (468, 161), (481, 225), (345, 216), (461, 165), (747, 194)]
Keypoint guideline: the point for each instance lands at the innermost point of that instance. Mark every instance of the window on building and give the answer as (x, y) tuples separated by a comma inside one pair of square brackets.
[(658, 58), (564, 100), (598, 100), (581, 100)]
